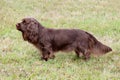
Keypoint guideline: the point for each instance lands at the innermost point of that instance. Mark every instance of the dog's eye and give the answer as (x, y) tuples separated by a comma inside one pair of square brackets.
[(23, 21)]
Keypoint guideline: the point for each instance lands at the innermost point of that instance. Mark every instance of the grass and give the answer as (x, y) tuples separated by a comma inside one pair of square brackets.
[(19, 60)]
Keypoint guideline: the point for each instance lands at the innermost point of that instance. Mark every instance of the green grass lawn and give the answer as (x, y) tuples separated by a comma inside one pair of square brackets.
[(20, 60)]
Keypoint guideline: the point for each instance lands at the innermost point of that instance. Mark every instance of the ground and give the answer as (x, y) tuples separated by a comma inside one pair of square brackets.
[(20, 60)]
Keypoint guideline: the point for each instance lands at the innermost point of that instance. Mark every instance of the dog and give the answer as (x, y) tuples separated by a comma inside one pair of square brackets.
[(49, 41)]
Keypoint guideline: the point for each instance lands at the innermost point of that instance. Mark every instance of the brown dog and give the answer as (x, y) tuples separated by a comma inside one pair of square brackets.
[(51, 40)]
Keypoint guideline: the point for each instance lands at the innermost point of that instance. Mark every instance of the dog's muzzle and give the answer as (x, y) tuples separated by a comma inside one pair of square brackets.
[(18, 26)]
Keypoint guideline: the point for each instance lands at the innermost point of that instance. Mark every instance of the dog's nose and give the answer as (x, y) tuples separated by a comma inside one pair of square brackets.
[(18, 24)]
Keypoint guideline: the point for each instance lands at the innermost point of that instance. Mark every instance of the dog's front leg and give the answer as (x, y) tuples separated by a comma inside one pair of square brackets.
[(45, 54)]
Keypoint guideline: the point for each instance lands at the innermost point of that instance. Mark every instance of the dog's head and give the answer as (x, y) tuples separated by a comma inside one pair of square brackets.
[(29, 28)]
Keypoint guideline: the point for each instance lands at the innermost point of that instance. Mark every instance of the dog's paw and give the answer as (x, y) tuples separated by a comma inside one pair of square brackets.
[(52, 57), (42, 58)]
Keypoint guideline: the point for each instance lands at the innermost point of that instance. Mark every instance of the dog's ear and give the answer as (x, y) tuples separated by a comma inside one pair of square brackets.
[(25, 20), (32, 31)]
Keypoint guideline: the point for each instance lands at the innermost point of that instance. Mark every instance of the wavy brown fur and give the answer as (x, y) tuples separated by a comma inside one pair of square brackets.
[(98, 48), (50, 41)]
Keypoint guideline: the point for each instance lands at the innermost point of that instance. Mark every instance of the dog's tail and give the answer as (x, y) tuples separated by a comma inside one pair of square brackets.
[(100, 49), (97, 47)]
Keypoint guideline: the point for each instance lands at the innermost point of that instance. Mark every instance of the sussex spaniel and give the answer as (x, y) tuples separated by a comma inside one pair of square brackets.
[(49, 41)]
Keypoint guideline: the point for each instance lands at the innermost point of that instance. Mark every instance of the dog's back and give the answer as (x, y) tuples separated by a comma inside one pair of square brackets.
[(63, 39), (70, 39)]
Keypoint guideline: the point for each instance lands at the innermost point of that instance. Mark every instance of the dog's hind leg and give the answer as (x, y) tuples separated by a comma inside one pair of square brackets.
[(51, 55), (78, 53), (86, 54)]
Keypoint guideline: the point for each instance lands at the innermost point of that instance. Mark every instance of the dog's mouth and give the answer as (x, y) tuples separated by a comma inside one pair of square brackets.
[(18, 27)]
